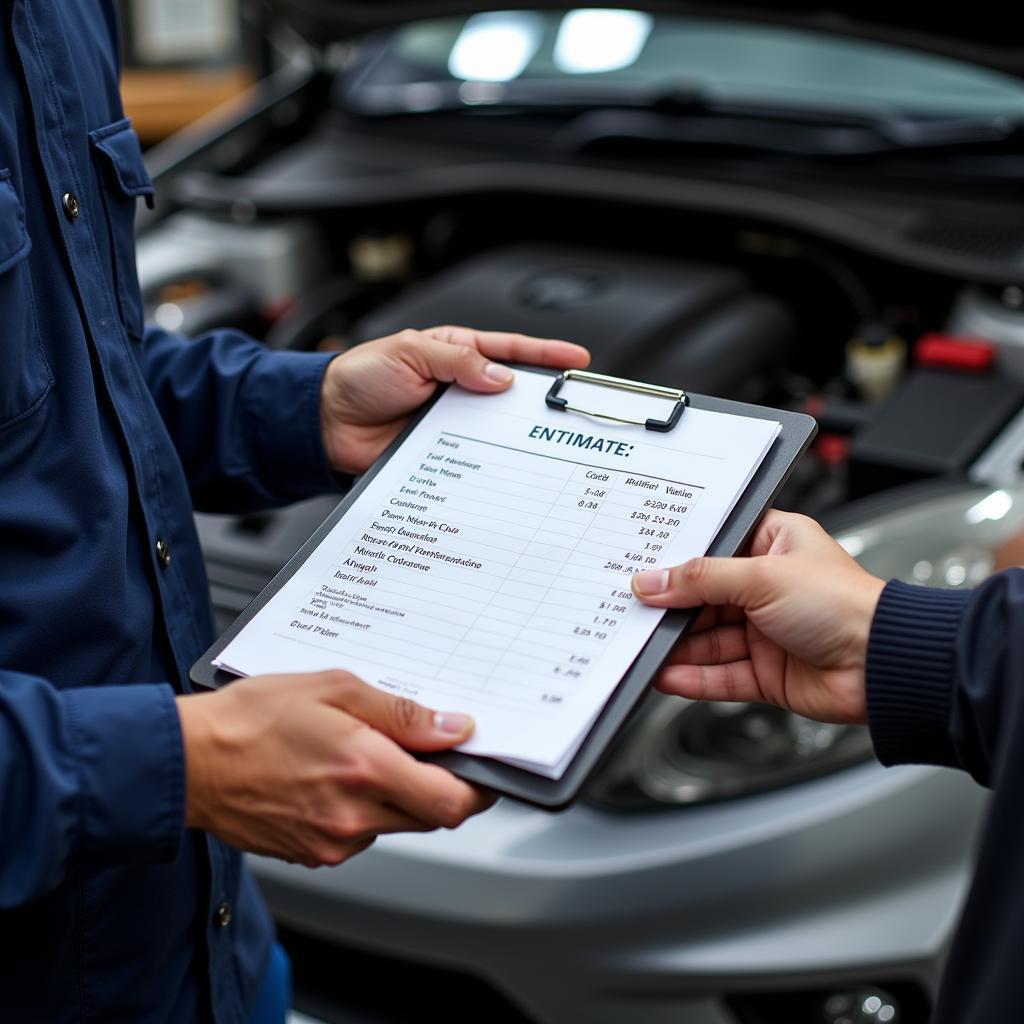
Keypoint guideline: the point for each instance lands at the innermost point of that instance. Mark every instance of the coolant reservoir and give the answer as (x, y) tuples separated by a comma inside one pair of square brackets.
[(875, 357)]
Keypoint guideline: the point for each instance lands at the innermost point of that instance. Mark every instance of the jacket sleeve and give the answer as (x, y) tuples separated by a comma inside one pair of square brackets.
[(945, 675), (245, 421), (89, 777)]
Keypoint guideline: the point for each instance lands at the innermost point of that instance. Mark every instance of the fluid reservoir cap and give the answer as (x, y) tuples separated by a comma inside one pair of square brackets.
[(873, 334), (952, 352)]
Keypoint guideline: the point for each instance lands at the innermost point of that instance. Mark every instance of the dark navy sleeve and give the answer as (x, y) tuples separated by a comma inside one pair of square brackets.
[(945, 674), (92, 777), (245, 421)]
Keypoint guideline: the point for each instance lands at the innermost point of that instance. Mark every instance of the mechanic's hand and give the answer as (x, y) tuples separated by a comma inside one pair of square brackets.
[(370, 392), (787, 626), (311, 768)]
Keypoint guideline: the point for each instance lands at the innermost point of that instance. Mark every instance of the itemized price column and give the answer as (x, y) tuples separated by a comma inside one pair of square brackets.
[(607, 525)]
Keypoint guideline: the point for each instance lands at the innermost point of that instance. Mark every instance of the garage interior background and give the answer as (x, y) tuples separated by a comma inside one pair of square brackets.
[(182, 59)]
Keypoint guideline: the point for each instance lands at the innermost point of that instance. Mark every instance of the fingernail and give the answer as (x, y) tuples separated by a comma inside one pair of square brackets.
[(651, 582), (498, 373), (452, 723)]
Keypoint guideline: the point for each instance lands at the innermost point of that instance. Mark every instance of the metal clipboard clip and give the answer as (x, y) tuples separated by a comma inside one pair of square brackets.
[(554, 401)]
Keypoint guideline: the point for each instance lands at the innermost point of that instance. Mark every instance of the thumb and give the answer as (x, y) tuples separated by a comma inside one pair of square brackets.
[(714, 581), (464, 365), (411, 725)]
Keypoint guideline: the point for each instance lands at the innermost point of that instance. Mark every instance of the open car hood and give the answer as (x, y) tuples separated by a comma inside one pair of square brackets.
[(991, 35)]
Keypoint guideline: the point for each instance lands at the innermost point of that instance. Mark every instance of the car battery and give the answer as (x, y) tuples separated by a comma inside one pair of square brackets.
[(937, 423)]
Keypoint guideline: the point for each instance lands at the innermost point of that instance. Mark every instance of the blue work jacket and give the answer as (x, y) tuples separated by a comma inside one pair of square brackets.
[(110, 434)]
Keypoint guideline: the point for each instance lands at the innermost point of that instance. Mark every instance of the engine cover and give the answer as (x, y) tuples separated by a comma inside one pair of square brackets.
[(695, 326)]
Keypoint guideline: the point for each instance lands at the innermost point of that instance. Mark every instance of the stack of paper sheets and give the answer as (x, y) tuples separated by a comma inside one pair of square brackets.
[(485, 568)]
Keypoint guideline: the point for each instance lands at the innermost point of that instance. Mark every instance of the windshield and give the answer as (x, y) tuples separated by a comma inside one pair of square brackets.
[(725, 60)]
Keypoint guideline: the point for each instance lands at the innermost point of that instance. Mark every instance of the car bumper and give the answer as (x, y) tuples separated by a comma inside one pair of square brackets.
[(592, 916)]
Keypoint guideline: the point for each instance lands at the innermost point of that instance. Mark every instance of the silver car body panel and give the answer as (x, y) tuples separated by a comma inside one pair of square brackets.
[(592, 916)]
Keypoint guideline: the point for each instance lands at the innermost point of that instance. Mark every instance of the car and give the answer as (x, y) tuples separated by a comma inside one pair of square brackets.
[(815, 208)]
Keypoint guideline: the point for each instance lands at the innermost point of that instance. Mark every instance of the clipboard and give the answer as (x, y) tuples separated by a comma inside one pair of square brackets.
[(797, 432)]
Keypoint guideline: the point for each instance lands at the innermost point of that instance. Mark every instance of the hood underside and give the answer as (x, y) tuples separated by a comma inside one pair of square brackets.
[(991, 36)]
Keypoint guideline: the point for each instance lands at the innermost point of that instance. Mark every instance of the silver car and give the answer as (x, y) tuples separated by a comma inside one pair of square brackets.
[(779, 210)]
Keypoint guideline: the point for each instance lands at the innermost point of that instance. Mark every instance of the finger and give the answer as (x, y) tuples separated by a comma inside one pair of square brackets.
[(772, 524), (485, 798), (464, 364), (716, 615), (733, 681), (708, 618), (427, 792), (332, 853), (411, 725), (369, 819), (781, 533), (714, 581), (517, 348), (711, 616), (716, 646)]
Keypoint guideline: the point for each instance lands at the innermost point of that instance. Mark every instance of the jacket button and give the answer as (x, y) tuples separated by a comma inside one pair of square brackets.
[(222, 915), (163, 553), (72, 207)]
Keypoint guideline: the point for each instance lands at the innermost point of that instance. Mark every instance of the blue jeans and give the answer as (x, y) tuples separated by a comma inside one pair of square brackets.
[(275, 998)]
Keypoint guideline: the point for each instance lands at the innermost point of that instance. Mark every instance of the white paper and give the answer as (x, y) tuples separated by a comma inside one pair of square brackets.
[(485, 568)]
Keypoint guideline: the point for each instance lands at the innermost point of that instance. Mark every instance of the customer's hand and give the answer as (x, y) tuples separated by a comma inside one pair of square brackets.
[(786, 626), (370, 392), (311, 768)]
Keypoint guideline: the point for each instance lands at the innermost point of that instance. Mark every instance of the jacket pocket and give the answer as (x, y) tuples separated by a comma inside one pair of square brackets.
[(25, 378), (124, 178)]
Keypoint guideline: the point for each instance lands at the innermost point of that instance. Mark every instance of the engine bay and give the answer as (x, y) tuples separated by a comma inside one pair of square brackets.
[(713, 304)]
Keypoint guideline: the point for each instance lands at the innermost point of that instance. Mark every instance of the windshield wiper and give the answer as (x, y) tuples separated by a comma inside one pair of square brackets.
[(779, 132), (682, 113)]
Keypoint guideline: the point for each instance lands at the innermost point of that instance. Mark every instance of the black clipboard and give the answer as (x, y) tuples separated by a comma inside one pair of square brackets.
[(794, 438)]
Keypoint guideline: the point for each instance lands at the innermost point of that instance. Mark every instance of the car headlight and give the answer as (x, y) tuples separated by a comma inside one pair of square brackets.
[(681, 752), (687, 752)]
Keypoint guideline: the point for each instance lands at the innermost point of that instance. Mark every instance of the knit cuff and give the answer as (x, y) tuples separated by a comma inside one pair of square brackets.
[(910, 673)]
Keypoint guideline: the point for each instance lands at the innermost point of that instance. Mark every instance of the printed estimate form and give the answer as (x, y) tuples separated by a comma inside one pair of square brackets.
[(485, 568)]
